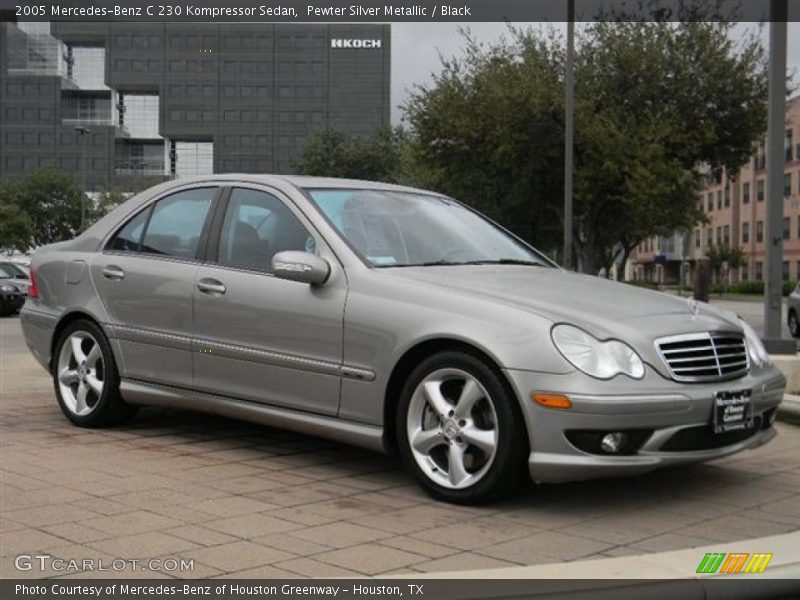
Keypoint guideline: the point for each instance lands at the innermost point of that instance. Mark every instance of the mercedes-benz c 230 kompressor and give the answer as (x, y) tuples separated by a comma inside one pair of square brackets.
[(392, 318)]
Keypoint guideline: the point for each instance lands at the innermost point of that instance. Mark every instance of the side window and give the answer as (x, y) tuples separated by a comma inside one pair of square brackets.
[(127, 239), (257, 226), (177, 222)]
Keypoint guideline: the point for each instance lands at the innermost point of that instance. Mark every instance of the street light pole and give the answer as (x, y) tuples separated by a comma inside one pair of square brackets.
[(82, 131), (569, 132), (773, 292)]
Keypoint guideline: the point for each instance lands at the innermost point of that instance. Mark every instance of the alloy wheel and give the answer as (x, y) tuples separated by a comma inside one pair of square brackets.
[(81, 373), (452, 428)]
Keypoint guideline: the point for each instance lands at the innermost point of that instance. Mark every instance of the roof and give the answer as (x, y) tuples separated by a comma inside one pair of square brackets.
[(302, 181)]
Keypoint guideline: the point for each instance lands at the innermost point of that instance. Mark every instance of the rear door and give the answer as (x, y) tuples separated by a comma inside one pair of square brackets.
[(145, 279), (262, 338)]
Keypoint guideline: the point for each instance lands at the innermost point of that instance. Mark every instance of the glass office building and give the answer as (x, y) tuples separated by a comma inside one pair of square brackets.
[(173, 100)]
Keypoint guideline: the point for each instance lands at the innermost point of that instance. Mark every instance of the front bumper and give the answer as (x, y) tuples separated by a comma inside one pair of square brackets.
[(661, 406)]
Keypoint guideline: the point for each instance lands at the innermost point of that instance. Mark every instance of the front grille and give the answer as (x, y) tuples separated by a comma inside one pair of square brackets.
[(696, 357)]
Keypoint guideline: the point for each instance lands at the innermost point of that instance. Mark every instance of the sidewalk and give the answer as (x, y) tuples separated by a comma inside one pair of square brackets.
[(248, 501)]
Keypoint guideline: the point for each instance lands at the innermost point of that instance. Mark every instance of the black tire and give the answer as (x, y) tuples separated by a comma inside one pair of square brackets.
[(110, 408), (794, 326), (508, 468)]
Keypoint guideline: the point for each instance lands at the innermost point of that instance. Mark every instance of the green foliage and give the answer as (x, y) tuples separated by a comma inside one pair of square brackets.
[(653, 101), (650, 285), (378, 157), (718, 255), (754, 287), (15, 228), (52, 200)]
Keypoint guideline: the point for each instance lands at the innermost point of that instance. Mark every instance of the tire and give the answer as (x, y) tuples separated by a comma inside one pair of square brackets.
[(85, 377), (466, 444), (794, 326)]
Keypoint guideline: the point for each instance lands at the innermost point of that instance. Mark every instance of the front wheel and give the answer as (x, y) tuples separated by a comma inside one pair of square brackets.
[(794, 326), (459, 430), (86, 379)]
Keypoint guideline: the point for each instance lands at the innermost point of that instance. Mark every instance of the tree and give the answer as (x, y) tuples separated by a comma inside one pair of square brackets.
[(655, 101), (52, 199), (332, 153), (725, 258), (15, 229), (112, 196)]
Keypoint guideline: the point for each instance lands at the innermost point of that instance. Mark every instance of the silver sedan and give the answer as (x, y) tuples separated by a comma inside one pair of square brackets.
[(395, 319)]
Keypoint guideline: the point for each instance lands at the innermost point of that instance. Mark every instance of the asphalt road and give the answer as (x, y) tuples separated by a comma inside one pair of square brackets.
[(753, 313)]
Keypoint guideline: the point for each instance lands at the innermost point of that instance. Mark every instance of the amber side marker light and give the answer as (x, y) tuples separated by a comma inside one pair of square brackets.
[(552, 400)]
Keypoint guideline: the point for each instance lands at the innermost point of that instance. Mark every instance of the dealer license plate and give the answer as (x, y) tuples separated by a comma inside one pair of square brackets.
[(733, 411)]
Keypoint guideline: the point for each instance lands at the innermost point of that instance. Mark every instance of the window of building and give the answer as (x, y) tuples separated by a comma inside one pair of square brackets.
[(709, 237), (760, 190), (697, 238), (785, 270), (759, 270), (194, 158), (719, 199), (787, 185), (745, 271), (176, 223), (787, 232), (727, 196), (746, 193), (257, 226), (93, 108), (726, 235), (139, 115), (745, 233), (87, 67), (719, 236), (710, 201), (787, 144), (761, 157), (759, 231)]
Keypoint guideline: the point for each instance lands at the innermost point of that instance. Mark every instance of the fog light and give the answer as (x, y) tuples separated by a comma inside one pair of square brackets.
[(613, 442)]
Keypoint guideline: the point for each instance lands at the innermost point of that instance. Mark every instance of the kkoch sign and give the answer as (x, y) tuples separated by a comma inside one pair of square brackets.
[(357, 44)]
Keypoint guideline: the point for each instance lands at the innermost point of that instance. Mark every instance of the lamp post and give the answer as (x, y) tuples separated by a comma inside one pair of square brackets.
[(773, 293), (82, 130), (569, 127)]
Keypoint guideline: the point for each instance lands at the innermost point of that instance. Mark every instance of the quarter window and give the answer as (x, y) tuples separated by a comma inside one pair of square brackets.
[(257, 226), (177, 222), (129, 237)]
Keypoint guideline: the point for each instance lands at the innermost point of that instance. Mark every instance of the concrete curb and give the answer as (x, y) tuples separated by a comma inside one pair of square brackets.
[(675, 564), (789, 409)]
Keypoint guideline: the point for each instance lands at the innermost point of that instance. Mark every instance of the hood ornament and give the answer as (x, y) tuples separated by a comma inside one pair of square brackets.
[(692, 305)]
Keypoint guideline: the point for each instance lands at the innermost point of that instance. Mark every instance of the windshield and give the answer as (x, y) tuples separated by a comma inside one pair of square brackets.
[(11, 271), (399, 229)]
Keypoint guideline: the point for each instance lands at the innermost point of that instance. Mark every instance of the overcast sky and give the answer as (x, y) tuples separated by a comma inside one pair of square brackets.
[(416, 48)]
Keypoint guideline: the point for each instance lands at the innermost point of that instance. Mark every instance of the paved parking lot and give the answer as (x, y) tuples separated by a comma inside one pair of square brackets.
[(249, 501)]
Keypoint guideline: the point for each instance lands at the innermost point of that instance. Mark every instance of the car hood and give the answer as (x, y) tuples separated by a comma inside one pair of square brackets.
[(605, 308)]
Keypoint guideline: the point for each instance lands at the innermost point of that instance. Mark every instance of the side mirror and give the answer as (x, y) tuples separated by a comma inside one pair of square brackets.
[(300, 266)]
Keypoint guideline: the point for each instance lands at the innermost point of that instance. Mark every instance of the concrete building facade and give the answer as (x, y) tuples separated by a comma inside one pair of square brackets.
[(735, 207), (109, 101)]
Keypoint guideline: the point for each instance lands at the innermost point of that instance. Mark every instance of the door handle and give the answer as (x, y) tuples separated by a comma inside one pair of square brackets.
[(211, 287), (113, 273)]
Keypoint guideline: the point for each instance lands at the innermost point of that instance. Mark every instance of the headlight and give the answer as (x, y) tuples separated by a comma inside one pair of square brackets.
[(755, 347), (8, 289), (603, 360)]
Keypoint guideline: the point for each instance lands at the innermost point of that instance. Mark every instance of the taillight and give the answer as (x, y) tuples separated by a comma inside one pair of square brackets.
[(33, 290)]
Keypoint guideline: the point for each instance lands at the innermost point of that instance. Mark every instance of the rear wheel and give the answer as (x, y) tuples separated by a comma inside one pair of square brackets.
[(794, 326), (460, 432), (86, 379)]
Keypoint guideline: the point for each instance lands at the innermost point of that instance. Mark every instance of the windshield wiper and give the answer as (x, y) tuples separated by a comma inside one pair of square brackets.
[(432, 263), (504, 261)]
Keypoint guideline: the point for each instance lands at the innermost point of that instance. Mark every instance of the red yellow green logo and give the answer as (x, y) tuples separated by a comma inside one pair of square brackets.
[(734, 562)]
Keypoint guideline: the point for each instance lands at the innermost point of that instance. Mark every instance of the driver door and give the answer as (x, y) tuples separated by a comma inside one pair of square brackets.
[(258, 337)]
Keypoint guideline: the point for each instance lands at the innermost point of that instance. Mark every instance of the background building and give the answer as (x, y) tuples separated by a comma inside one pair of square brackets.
[(169, 100), (735, 207)]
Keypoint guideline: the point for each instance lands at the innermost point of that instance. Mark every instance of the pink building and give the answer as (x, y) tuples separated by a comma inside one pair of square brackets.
[(734, 205)]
